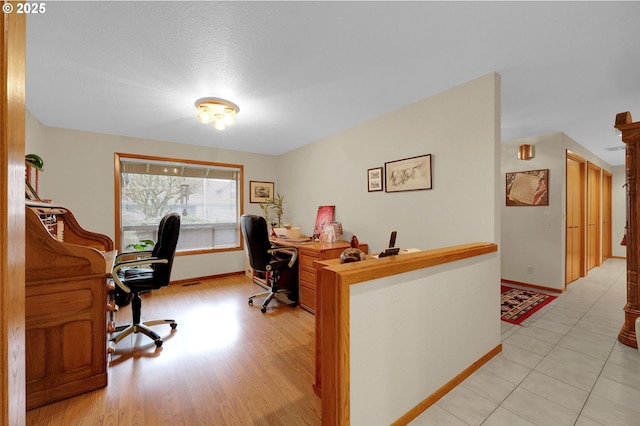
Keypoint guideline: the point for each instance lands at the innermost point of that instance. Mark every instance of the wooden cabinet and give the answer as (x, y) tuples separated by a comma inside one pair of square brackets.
[(631, 138), (66, 295)]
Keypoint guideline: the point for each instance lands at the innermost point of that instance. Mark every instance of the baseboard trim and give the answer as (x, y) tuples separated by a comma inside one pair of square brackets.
[(448, 387), (208, 277), (538, 287)]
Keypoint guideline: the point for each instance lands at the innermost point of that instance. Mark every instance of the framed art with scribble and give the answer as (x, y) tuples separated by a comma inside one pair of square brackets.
[(409, 174)]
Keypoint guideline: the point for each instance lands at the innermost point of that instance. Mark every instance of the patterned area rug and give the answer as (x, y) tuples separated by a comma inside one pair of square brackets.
[(518, 305)]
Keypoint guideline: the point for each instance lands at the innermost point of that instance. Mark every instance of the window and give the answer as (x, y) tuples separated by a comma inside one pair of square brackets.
[(208, 196)]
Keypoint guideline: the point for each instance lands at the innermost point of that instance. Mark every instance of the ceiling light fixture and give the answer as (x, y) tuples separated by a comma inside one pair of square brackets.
[(220, 112)]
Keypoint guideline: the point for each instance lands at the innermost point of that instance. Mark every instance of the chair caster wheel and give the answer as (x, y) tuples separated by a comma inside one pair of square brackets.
[(263, 309), (158, 343), (173, 325), (250, 302)]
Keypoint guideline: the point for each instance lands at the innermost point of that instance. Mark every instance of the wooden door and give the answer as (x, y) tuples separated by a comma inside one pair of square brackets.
[(593, 216), (607, 250), (575, 213)]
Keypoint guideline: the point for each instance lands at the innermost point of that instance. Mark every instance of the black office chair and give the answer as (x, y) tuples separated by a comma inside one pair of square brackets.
[(277, 263), (131, 281)]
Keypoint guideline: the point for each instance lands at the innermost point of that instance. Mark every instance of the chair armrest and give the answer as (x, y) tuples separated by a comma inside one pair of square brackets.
[(130, 263), (293, 251), (132, 255)]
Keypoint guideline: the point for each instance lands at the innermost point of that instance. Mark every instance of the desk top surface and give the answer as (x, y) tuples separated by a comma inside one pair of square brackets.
[(311, 245)]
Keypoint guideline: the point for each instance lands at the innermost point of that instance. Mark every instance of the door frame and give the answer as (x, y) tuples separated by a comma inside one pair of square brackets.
[(607, 211), (598, 209), (582, 163)]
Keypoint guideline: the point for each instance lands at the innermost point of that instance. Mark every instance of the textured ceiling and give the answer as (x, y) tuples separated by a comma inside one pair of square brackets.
[(301, 71)]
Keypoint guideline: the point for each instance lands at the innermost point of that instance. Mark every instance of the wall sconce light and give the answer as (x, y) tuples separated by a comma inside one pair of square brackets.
[(526, 152), (220, 112)]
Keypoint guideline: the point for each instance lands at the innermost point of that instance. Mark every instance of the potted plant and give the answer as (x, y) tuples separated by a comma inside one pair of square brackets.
[(141, 245), (266, 206), (278, 207), (275, 204)]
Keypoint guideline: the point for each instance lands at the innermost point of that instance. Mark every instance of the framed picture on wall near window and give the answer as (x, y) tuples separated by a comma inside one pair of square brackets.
[(260, 192)]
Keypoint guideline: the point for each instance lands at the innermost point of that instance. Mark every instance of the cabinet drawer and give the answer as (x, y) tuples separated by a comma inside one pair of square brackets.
[(307, 260), (308, 277), (308, 299)]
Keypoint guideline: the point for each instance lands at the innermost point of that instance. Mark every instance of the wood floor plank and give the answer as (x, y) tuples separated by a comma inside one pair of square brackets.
[(226, 364)]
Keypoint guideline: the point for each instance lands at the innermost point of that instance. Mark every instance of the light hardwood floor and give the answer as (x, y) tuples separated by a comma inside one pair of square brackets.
[(226, 364)]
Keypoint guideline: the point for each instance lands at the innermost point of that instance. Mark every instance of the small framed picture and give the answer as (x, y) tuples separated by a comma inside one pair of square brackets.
[(260, 192), (324, 217), (374, 179), (410, 174)]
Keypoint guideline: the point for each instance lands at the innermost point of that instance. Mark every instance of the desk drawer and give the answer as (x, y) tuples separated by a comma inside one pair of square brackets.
[(308, 277), (307, 259), (308, 299)]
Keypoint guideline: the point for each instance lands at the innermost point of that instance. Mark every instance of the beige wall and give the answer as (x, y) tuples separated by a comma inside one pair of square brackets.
[(459, 127), (79, 174)]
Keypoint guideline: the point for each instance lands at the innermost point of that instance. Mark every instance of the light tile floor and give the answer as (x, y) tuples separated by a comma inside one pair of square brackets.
[(563, 366)]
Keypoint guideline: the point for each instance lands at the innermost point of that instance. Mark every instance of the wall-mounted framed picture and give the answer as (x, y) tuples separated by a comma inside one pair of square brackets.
[(528, 188), (409, 174), (260, 192), (374, 179)]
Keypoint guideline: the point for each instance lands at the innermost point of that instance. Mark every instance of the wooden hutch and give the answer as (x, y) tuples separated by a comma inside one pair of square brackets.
[(631, 137)]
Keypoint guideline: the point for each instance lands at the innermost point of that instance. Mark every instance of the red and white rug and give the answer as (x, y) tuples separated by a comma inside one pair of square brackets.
[(518, 304)]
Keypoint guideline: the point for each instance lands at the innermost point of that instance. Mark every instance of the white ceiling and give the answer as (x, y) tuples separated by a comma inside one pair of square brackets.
[(301, 71)]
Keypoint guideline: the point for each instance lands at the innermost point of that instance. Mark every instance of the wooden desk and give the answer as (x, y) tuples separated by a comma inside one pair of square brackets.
[(309, 252), (66, 292)]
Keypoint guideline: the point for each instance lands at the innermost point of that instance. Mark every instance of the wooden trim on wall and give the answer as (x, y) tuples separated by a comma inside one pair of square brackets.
[(538, 287), (12, 211), (446, 388)]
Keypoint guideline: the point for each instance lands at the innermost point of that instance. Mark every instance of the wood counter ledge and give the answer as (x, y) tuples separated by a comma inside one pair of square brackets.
[(333, 316), (372, 268)]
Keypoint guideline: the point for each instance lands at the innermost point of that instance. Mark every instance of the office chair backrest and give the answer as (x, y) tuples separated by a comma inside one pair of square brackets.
[(165, 248), (256, 236)]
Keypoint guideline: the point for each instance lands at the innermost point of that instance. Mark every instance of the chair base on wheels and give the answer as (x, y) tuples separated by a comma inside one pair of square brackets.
[(144, 328), (279, 295), (138, 326)]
